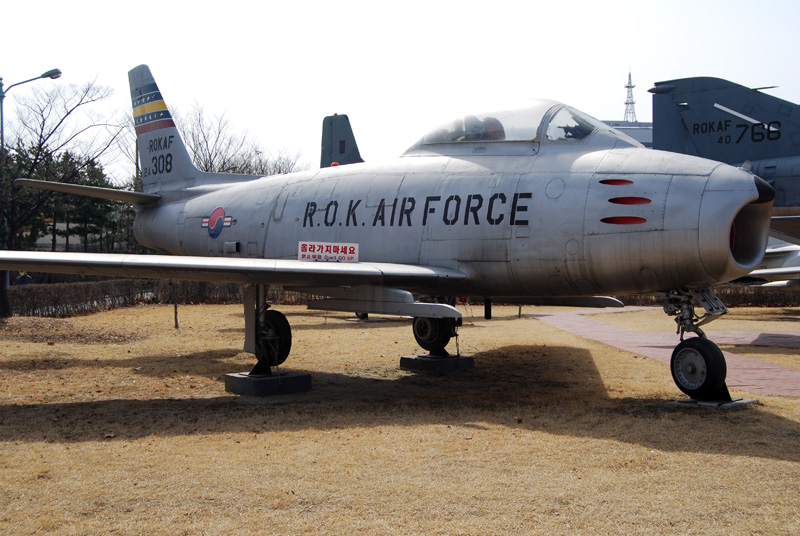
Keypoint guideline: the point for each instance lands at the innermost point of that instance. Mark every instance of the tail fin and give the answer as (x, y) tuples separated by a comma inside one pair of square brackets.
[(165, 162), (338, 142), (723, 121)]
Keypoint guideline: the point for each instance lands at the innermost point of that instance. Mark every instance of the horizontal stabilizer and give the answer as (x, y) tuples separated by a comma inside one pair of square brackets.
[(90, 191)]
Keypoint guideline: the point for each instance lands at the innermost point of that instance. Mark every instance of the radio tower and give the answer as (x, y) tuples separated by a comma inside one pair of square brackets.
[(630, 110)]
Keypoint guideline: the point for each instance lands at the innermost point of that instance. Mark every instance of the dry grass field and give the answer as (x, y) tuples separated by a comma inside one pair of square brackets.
[(117, 423)]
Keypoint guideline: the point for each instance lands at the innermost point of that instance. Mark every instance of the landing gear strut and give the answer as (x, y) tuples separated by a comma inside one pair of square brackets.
[(698, 366)]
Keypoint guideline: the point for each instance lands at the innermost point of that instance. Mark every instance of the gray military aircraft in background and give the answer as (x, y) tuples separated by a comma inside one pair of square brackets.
[(731, 123), (518, 205), (338, 142)]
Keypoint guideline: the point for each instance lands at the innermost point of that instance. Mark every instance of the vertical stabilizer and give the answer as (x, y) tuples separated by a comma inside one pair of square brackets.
[(338, 142), (723, 121), (164, 161)]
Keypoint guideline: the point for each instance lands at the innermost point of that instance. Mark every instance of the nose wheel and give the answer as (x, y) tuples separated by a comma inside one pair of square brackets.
[(697, 364), (699, 369)]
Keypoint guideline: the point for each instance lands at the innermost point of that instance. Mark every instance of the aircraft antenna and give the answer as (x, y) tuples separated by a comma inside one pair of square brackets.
[(630, 110)]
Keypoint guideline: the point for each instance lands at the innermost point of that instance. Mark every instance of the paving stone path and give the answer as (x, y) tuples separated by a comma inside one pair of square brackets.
[(746, 373)]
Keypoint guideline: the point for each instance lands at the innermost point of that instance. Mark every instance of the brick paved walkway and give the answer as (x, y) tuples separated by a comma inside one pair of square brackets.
[(745, 373)]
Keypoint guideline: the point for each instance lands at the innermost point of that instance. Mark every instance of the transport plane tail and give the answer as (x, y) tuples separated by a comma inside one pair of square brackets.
[(731, 123), (724, 121), (338, 142)]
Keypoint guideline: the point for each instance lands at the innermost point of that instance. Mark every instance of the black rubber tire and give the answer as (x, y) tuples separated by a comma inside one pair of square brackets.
[(362, 316), (276, 325), (433, 334), (698, 368)]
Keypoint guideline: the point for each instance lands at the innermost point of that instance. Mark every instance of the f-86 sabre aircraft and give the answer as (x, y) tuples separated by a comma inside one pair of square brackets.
[(538, 203)]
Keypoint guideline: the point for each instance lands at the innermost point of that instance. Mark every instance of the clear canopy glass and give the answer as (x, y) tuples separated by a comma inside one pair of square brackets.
[(546, 120)]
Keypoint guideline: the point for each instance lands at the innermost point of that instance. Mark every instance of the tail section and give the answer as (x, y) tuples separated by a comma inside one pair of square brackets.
[(338, 142), (165, 162), (723, 121)]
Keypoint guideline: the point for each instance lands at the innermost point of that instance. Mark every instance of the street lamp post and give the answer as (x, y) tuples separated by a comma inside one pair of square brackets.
[(53, 74)]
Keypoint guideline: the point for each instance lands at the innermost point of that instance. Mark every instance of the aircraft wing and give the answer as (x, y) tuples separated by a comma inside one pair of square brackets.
[(780, 267), (785, 228), (789, 272), (284, 272)]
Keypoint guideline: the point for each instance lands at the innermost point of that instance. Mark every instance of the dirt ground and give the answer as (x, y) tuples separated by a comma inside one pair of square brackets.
[(116, 423)]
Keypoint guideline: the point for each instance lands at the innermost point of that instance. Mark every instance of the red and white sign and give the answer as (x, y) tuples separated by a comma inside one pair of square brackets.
[(327, 251)]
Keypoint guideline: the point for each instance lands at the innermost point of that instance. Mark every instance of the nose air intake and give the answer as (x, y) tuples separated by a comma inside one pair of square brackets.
[(747, 234)]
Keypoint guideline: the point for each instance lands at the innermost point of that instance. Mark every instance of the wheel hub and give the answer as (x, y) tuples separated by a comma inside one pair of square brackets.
[(690, 369)]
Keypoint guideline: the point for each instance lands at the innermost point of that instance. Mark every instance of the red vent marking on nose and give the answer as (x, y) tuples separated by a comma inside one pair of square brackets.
[(624, 220), (616, 182), (630, 201)]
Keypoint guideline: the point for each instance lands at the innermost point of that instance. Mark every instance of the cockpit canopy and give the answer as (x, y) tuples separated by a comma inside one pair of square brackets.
[(545, 120)]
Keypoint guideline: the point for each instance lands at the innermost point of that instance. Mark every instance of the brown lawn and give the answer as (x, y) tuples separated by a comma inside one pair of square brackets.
[(116, 423)]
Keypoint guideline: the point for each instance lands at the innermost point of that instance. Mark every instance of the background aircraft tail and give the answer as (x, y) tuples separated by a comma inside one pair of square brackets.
[(338, 142), (723, 121)]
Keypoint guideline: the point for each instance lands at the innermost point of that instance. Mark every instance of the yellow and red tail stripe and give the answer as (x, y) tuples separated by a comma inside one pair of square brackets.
[(149, 110)]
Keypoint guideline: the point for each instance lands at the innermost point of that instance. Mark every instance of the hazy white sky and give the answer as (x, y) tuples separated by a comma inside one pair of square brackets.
[(397, 69)]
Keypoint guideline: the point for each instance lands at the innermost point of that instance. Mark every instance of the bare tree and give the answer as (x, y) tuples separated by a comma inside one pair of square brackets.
[(60, 118), (216, 148), (49, 124)]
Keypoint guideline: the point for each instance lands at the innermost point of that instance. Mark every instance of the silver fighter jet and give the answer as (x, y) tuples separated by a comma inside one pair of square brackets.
[(539, 203)]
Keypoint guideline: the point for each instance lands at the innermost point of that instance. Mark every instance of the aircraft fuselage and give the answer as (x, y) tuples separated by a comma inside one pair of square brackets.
[(550, 224)]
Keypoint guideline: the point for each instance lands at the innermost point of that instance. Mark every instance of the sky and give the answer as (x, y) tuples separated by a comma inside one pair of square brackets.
[(397, 69)]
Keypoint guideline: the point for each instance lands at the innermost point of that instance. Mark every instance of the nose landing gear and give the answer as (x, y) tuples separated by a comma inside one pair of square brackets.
[(698, 366)]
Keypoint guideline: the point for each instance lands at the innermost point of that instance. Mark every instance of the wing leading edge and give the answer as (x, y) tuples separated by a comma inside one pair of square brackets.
[(285, 272)]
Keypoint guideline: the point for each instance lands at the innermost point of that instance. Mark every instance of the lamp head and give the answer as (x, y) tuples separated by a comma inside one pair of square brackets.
[(52, 73)]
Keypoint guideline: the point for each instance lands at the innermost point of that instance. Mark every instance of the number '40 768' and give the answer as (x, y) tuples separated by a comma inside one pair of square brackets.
[(758, 132)]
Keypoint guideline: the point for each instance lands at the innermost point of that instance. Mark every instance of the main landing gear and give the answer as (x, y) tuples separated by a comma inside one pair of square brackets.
[(273, 341), (698, 366), (269, 337), (267, 332), (433, 334)]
